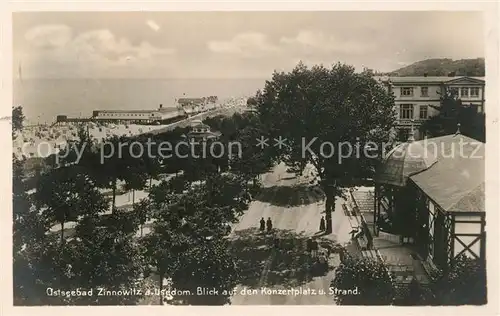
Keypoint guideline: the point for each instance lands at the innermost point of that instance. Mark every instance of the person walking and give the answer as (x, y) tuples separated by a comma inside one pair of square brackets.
[(309, 245), (269, 224), (314, 248), (262, 224), (276, 242), (322, 224)]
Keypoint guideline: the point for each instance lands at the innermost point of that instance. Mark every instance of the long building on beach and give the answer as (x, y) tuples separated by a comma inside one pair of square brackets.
[(184, 107), (148, 116)]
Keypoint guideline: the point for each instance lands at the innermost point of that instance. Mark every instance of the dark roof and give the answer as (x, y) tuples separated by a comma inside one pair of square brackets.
[(199, 124), (456, 181), (403, 161), (445, 146)]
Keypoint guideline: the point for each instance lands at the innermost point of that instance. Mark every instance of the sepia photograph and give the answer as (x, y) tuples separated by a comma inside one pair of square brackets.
[(211, 158)]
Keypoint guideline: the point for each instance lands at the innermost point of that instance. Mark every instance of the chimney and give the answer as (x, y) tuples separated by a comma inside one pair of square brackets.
[(161, 106), (425, 74), (451, 74)]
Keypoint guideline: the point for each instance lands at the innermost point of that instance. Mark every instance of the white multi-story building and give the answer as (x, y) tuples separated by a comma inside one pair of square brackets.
[(416, 96)]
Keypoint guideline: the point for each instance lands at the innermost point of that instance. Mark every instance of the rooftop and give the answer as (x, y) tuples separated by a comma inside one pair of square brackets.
[(403, 161), (127, 111), (456, 181)]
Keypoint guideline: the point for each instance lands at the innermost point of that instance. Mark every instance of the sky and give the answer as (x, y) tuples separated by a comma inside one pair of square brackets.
[(233, 44)]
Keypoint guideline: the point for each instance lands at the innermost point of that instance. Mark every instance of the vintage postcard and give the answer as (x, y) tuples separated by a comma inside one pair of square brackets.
[(264, 157)]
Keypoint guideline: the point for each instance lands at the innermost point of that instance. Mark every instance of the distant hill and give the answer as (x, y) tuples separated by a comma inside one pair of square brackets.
[(442, 67)]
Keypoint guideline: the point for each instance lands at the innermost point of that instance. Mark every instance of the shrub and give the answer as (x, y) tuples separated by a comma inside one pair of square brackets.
[(463, 284), (370, 277), (413, 295)]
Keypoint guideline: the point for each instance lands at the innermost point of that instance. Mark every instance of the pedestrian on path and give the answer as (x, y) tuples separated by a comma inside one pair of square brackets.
[(269, 224), (309, 245), (262, 224), (276, 242), (341, 255), (322, 224)]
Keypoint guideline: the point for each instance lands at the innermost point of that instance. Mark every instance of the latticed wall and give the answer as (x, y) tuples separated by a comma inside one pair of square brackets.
[(443, 236), (439, 236), (469, 236)]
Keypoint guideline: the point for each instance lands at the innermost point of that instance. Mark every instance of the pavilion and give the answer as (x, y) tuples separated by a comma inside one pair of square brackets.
[(432, 194), (201, 132)]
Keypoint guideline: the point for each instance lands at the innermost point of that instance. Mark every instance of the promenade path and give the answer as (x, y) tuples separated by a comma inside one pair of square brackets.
[(225, 111)]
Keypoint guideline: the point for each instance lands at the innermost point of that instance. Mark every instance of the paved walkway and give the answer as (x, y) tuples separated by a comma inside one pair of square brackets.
[(294, 224), (399, 258)]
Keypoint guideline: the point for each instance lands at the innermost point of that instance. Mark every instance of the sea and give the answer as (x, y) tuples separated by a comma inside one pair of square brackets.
[(43, 99)]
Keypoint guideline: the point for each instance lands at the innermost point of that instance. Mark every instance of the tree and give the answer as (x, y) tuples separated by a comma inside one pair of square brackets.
[(227, 193), (452, 112), (251, 102), (369, 277), (100, 254), (323, 113), (143, 212), (161, 250), (112, 163), (17, 119), (58, 195), (29, 240), (463, 284), (28, 225), (150, 161), (135, 179), (253, 161), (188, 232), (103, 259)]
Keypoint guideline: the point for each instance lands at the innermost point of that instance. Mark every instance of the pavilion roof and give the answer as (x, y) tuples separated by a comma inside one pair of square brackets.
[(456, 182), (403, 161)]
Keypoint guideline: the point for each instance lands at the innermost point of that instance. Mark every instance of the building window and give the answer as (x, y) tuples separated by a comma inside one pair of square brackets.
[(423, 112), (406, 111), (406, 91), (424, 91), (464, 92), (474, 92)]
